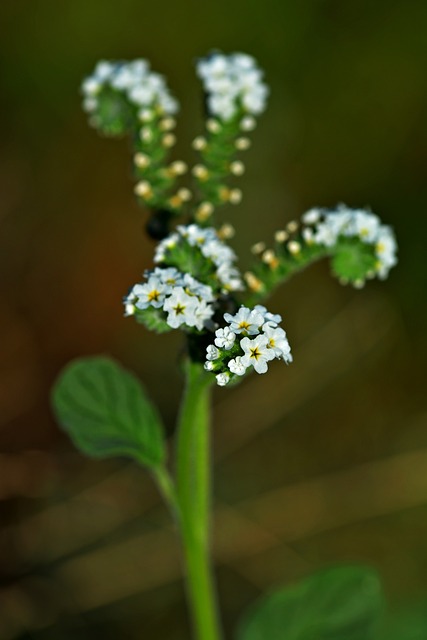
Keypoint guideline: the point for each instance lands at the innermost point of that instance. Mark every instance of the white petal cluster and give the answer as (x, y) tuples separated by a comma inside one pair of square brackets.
[(251, 339), (353, 223), (206, 240), (232, 83), (143, 88), (185, 300)]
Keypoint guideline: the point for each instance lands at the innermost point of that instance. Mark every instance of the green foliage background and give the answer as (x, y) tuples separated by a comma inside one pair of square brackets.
[(346, 122)]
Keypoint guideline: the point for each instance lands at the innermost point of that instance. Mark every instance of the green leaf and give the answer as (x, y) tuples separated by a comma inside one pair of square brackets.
[(342, 603), (106, 413), (408, 624)]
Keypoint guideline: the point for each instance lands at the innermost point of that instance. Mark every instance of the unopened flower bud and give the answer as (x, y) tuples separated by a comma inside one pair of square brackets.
[(292, 226), (199, 143), (258, 248), (237, 168), (270, 258), (294, 247), (213, 126), (143, 189), (146, 115), (166, 124), (168, 140), (184, 194), (248, 123), (178, 168), (254, 283), (204, 211), (200, 172), (141, 160), (226, 232), (242, 144), (146, 134), (235, 196), (281, 236)]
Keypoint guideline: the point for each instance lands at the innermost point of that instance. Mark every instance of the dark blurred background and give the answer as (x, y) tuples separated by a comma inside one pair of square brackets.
[(318, 463)]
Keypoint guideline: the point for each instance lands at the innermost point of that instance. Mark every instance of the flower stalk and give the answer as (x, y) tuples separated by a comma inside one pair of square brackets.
[(193, 480)]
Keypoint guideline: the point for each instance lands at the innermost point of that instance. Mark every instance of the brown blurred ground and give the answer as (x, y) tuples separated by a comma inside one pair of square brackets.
[(324, 461)]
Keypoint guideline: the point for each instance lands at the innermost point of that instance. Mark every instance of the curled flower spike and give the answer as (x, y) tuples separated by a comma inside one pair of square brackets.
[(252, 339), (359, 245), (346, 228), (235, 93), (127, 97)]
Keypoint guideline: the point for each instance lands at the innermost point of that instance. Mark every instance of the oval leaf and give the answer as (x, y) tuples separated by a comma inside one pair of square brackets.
[(407, 624), (342, 603), (106, 413)]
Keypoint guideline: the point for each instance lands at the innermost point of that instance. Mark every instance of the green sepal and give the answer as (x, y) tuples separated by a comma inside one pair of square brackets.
[(353, 260), (114, 115), (105, 411), (153, 319), (341, 603)]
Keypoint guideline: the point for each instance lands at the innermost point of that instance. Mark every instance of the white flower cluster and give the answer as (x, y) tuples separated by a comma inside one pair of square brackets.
[(353, 223), (232, 83), (211, 247), (185, 300), (143, 88), (234, 352)]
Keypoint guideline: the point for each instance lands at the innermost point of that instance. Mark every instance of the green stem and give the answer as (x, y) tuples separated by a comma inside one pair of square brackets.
[(167, 488), (193, 491)]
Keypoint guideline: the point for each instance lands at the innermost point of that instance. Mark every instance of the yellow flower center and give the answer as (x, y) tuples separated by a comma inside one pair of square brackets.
[(255, 353)]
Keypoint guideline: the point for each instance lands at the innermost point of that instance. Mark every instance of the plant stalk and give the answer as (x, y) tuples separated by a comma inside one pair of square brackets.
[(194, 492)]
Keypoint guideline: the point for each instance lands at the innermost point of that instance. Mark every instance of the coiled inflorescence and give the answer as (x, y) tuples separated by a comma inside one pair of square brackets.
[(359, 246), (347, 227)]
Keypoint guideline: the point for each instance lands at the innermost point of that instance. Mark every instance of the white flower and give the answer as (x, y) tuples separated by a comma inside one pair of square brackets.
[(162, 248), (143, 87), (257, 353), (385, 251), (208, 366), (170, 276), (152, 293), (237, 366), (224, 338), (366, 226), (245, 321), (222, 379), (273, 319), (201, 314), (232, 83), (196, 288), (180, 308), (212, 353), (312, 216), (129, 304), (218, 252), (229, 277), (277, 341), (104, 70)]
